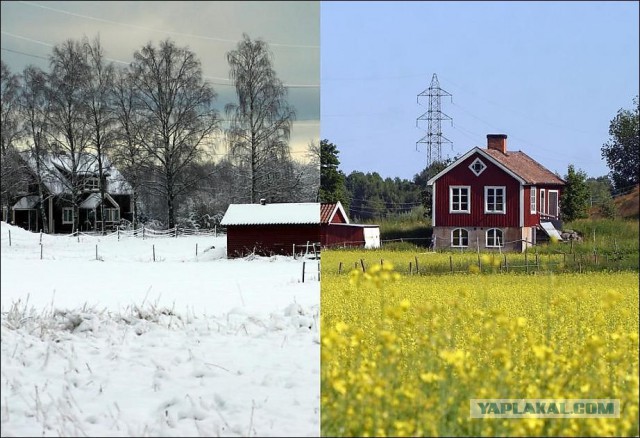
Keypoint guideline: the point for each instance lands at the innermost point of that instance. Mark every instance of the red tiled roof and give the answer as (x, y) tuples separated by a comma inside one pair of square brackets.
[(325, 212), (525, 167)]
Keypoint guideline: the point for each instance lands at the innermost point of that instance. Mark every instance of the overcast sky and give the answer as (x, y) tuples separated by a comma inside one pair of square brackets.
[(550, 75), (210, 29)]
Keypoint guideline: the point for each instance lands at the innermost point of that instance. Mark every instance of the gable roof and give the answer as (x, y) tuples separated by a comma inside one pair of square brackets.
[(329, 209), (526, 167), (516, 163), (301, 213), (55, 168)]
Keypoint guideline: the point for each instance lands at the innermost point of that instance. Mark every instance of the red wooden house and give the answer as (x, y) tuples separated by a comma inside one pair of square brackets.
[(494, 198), (271, 229), (337, 231)]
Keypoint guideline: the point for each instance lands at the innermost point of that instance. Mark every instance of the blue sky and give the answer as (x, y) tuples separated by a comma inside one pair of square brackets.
[(550, 75)]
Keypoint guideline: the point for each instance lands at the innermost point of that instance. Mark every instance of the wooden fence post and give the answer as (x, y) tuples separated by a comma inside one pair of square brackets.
[(417, 268), (362, 264), (451, 264), (410, 269), (41, 251), (340, 268), (303, 263)]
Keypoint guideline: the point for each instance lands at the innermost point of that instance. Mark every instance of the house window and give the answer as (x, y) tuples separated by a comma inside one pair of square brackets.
[(112, 214), (543, 203), (459, 199), (91, 184), (494, 199), (552, 201), (477, 167), (459, 237), (494, 238), (532, 200), (67, 215)]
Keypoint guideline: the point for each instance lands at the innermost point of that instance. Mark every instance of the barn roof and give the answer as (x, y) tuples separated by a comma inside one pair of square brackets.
[(272, 214), (329, 209)]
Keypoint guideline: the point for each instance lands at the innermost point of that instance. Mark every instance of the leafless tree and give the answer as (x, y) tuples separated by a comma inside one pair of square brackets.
[(34, 111), (260, 123), (9, 133), (100, 113), (176, 108), (69, 133), (129, 153)]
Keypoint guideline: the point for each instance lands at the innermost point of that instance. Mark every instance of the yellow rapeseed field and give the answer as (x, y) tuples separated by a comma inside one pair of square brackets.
[(403, 355)]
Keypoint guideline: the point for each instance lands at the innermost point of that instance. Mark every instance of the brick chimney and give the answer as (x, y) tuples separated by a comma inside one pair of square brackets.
[(497, 142)]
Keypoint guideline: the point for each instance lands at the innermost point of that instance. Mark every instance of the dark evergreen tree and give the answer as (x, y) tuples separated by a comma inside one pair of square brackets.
[(332, 179)]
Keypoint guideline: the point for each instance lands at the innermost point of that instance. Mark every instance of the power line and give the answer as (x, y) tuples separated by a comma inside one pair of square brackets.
[(24, 53), (203, 37), (214, 78)]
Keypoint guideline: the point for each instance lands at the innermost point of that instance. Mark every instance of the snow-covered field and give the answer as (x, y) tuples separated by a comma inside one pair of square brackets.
[(100, 340)]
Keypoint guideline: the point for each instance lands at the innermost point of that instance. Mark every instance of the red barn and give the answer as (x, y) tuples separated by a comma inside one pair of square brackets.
[(338, 231), (269, 229), (494, 198)]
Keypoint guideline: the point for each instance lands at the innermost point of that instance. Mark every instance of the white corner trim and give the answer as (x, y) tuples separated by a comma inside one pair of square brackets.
[(521, 206), (433, 205)]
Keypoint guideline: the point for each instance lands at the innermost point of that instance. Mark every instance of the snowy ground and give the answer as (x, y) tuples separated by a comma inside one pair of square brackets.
[(115, 344)]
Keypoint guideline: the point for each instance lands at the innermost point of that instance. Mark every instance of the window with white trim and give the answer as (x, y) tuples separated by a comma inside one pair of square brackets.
[(460, 237), (459, 199), (543, 203), (92, 184), (532, 200), (477, 167), (67, 215), (494, 238), (494, 199), (112, 214)]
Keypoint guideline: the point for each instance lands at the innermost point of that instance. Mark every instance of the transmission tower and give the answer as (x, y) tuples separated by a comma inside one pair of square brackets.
[(434, 138)]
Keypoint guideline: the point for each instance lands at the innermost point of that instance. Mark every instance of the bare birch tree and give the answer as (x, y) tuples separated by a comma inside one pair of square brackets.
[(68, 129), (260, 123), (176, 107), (34, 109), (129, 153), (9, 133), (100, 114)]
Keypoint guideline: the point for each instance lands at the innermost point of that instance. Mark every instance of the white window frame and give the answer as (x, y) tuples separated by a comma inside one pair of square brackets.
[(109, 214), (486, 199), (557, 202), (65, 211), (92, 183), (532, 200), (468, 189), (543, 202), (460, 237), (495, 237), (471, 166)]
